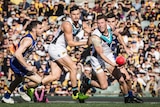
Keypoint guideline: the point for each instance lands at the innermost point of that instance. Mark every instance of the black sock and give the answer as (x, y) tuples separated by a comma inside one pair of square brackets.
[(7, 94), (40, 84), (88, 81), (75, 90)]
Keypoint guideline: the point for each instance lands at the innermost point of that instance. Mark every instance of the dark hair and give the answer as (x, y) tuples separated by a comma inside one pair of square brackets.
[(110, 15), (73, 8), (158, 25), (101, 16), (32, 25)]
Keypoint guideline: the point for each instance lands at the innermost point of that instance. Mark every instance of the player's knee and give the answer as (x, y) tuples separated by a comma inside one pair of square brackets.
[(104, 87), (121, 81), (128, 78), (73, 69)]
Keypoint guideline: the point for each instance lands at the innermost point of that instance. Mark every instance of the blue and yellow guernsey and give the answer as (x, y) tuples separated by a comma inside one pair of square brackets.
[(14, 63)]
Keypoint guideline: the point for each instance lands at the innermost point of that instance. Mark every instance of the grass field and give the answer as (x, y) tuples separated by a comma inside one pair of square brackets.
[(79, 105)]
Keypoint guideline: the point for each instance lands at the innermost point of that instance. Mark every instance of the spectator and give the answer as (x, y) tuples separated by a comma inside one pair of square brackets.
[(67, 9), (44, 10), (150, 3), (137, 5), (1, 60), (97, 7), (40, 95), (149, 14), (32, 10), (10, 19), (25, 4)]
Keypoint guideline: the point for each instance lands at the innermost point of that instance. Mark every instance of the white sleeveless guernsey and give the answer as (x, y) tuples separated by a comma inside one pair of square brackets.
[(75, 30), (96, 61), (57, 48), (106, 49)]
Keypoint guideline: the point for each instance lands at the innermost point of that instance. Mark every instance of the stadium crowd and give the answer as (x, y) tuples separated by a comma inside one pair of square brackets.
[(139, 24)]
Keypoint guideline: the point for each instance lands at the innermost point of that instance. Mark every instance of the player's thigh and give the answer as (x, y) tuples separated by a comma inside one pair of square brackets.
[(56, 52), (67, 62), (102, 79), (124, 71)]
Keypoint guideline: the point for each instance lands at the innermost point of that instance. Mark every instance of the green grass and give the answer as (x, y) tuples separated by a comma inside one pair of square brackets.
[(79, 105)]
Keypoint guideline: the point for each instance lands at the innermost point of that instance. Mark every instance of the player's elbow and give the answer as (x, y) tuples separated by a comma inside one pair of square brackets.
[(70, 43), (104, 86)]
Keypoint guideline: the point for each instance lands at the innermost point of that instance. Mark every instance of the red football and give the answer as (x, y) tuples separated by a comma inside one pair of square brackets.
[(120, 60)]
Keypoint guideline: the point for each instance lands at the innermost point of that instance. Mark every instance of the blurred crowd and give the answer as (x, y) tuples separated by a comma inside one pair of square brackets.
[(138, 23)]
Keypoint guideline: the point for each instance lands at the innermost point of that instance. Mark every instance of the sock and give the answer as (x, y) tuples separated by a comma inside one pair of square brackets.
[(40, 84), (88, 81), (75, 90), (7, 94), (130, 93), (126, 95), (23, 88)]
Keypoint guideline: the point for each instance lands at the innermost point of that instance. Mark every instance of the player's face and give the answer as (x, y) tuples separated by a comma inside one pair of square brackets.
[(101, 23), (39, 30), (75, 15), (111, 21)]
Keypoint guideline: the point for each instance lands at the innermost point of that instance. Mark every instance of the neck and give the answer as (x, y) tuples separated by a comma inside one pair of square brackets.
[(33, 35), (75, 23), (105, 33)]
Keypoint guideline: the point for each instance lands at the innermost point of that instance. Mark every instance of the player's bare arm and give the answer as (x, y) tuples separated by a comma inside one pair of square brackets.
[(89, 42), (67, 29), (87, 28), (25, 43), (97, 45)]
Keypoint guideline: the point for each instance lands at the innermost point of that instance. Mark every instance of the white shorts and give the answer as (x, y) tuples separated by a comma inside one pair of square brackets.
[(98, 64), (56, 52), (67, 77)]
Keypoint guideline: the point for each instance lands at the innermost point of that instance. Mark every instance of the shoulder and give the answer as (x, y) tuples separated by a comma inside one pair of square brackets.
[(66, 24), (66, 27), (96, 32), (27, 37), (96, 41), (26, 41), (95, 35), (68, 21)]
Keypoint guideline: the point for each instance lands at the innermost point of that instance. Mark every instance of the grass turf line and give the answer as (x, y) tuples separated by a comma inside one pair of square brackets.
[(79, 105)]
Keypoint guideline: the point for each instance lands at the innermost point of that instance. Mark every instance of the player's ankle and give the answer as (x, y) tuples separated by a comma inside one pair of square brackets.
[(75, 90), (88, 81)]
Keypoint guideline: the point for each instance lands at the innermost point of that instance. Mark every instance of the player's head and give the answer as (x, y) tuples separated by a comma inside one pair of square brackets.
[(101, 22), (75, 13), (36, 27), (111, 19)]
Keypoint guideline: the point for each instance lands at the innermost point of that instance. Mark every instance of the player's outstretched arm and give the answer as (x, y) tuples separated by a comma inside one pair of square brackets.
[(25, 43)]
